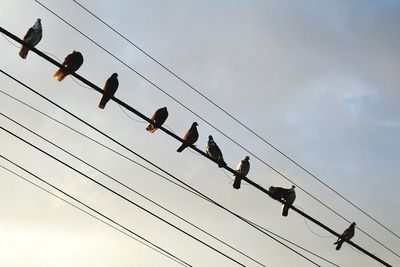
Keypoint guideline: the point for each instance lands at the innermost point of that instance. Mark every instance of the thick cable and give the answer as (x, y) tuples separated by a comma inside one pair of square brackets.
[(153, 247), (236, 120)]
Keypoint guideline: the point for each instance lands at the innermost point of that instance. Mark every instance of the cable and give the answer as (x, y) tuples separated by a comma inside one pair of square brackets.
[(122, 197), (97, 142), (130, 189), (235, 119), (41, 54), (187, 188), (158, 250), (197, 115)]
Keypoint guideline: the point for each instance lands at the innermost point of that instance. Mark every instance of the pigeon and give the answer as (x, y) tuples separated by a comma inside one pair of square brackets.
[(242, 169), (214, 152), (159, 117), (282, 194), (71, 64), (109, 90), (190, 137), (32, 37), (345, 236)]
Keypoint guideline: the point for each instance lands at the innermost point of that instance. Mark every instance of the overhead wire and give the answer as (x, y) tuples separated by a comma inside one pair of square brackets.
[(132, 190), (131, 235), (185, 187), (214, 127), (235, 119), (123, 197), (176, 137)]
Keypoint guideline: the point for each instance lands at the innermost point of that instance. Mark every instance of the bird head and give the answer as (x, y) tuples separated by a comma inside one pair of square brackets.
[(247, 158), (115, 74), (194, 124), (210, 137), (37, 24)]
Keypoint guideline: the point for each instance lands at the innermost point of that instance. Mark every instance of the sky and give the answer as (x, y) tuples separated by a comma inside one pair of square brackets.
[(317, 79)]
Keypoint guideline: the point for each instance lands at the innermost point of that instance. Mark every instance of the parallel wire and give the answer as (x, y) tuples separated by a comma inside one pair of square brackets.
[(178, 138), (131, 189), (214, 127), (153, 247), (236, 120), (122, 197), (186, 186)]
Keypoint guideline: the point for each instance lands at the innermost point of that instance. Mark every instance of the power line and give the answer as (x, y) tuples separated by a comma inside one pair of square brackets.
[(251, 153), (131, 189), (187, 187), (215, 128), (155, 248), (123, 197), (193, 88), (169, 133)]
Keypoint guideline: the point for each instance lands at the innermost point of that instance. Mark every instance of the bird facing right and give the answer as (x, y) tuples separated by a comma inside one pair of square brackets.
[(345, 236), (109, 90), (242, 169)]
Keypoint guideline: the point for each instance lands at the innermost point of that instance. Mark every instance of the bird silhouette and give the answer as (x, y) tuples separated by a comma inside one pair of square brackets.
[(109, 90), (71, 64), (345, 236), (158, 118), (32, 37), (242, 169), (214, 152), (288, 197), (190, 137)]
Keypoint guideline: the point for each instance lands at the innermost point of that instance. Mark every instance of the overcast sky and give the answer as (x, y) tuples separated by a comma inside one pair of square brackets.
[(318, 79)]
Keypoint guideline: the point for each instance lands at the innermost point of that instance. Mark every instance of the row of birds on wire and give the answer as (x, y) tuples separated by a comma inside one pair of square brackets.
[(74, 61)]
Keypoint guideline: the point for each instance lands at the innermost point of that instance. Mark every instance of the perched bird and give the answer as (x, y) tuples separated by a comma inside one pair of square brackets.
[(159, 117), (213, 151), (32, 37), (109, 90), (282, 194), (345, 236), (190, 137), (242, 169), (71, 64)]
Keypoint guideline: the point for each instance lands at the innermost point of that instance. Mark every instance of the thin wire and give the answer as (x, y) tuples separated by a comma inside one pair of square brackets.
[(123, 197), (211, 125), (97, 142), (130, 189), (309, 228), (187, 188), (176, 137), (129, 116), (181, 262), (236, 120), (5, 37)]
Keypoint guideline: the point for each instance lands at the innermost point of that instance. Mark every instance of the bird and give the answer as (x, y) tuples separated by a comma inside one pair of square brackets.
[(190, 137), (32, 37), (109, 90), (214, 152), (71, 64), (287, 196), (289, 200), (158, 118), (242, 169), (345, 236)]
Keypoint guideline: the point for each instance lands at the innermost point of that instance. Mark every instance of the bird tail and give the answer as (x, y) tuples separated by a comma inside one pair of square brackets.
[(339, 245), (23, 52), (151, 128), (285, 210), (181, 148), (102, 103), (236, 182), (59, 75)]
